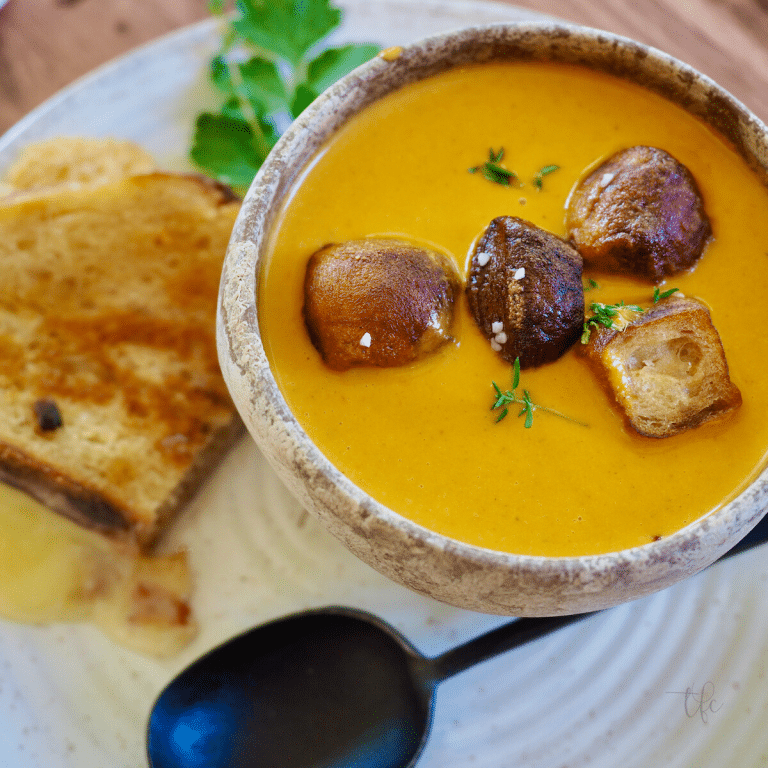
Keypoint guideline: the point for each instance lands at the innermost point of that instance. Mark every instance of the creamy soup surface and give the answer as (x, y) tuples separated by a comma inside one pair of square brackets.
[(422, 439)]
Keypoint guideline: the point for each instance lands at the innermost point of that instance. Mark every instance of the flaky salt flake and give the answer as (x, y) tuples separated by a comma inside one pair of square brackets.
[(495, 346), (519, 273), (483, 258), (366, 340), (606, 179), (497, 326)]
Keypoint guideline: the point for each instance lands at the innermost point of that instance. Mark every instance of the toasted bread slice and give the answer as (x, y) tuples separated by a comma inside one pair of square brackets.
[(112, 404), (75, 160), (667, 369)]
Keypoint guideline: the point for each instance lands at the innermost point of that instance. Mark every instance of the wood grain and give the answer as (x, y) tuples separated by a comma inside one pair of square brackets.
[(46, 44)]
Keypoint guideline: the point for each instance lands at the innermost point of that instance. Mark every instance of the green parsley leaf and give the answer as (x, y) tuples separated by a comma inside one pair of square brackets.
[(265, 80), (303, 97), (333, 63), (221, 77), (263, 86), (287, 28), (228, 147)]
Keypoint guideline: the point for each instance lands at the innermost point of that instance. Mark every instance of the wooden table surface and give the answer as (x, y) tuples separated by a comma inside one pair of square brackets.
[(45, 44)]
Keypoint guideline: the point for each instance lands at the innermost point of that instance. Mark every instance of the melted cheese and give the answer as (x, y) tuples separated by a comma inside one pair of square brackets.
[(421, 439), (53, 570), (43, 562)]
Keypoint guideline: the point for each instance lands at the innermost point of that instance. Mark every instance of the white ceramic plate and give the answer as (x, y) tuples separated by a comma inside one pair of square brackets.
[(676, 680)]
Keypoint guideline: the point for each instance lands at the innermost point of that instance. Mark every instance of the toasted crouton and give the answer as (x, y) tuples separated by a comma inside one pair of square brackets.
[(666, 369)]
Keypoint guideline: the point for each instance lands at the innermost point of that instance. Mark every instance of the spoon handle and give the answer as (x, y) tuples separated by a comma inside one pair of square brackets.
[(521, 631), (504, 638)]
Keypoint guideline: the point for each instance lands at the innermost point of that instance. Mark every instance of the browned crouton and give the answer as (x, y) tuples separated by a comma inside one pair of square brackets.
[(666, 369)]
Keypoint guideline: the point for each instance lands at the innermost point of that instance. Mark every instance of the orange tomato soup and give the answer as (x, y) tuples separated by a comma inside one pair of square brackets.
[(422, 438)]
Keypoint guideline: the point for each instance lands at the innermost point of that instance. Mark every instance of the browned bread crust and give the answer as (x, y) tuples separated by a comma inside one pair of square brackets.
[(76, 160), (667, 369), (107, 315)]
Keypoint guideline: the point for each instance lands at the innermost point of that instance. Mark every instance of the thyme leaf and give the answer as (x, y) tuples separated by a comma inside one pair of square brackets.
[(492, 170), (541, 173), (510, 397), (609, 316), (658, 296)]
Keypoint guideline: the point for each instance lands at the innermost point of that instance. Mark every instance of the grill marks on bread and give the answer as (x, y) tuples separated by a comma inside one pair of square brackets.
[(108, 307)]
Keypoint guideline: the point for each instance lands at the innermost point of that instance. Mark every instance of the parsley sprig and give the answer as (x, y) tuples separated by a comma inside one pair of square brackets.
[(267, 72), (511, 397)]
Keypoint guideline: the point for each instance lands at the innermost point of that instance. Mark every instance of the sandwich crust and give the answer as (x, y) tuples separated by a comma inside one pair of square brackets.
[(107, 314)]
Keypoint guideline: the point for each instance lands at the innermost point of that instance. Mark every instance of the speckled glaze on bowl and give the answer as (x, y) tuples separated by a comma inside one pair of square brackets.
[(460, 574)]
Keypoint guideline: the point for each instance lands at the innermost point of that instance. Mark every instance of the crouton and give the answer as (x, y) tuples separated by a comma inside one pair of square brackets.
[(666, 369)]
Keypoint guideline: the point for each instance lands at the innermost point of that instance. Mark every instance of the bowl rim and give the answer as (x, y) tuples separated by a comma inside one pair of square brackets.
[(349, 512)]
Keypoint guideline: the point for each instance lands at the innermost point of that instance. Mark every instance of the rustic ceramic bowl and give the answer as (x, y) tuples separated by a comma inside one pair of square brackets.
[(434, 565)]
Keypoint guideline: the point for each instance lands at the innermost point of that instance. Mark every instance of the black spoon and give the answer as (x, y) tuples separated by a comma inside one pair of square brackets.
[(321, 689)]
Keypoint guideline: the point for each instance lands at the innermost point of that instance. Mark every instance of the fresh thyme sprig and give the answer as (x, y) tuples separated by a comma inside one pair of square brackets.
[(541, 173), (510, 397), (607, 316), (615, 315), (658, 296), (494, 171)]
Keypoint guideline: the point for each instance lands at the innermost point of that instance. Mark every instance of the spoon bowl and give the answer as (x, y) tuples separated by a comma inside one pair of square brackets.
[(328, 688), (323, 688)]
